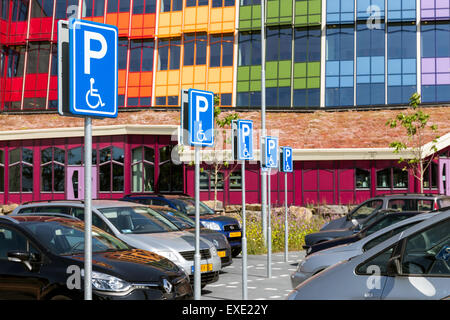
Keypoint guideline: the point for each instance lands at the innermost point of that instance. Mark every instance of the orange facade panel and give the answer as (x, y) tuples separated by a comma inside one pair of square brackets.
[(143, 25), (121, 20)]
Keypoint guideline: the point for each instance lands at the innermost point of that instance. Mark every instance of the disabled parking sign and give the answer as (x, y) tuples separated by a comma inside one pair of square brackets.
[(201, 118), (286, 163), (93, 69), (270, 152)]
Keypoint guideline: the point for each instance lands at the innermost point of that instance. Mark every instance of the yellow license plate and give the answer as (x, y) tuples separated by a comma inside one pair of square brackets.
[(235, 234), (222, 254), (204, 267)]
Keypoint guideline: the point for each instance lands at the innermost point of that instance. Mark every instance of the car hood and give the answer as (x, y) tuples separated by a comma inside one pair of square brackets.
[(335, 242), (218, 218), (340, 223), (164, 241), (212, 236), (133, 265)]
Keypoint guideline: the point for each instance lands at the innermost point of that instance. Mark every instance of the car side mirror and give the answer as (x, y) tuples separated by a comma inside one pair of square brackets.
[(394, 267), (27, 258)]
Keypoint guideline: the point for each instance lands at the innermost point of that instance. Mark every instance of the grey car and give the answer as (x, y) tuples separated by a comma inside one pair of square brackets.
[(321, 260), (413, 264), (401, 202), (142, 228)]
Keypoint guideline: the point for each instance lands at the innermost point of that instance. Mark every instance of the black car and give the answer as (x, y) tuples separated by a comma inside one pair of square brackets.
[(40, 256), (350, 236)]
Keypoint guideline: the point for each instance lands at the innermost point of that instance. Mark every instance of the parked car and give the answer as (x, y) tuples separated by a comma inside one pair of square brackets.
[(355, 234), (413, 264), (318, 261), (183, 222), (38, 252), (229, 226), (143, 228), (401, 202)]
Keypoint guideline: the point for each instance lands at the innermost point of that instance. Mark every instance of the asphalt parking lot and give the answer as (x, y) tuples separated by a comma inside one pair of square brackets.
[(229, 286)]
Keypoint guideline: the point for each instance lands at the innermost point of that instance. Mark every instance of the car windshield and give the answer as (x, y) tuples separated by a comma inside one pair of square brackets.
[(384, 222), (187, 206), (181, 220), (67, 238), (138, 220), (366, 209)]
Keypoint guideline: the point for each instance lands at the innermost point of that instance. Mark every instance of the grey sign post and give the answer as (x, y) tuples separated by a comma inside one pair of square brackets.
[(242, 150), (198, 120), (87, 88)]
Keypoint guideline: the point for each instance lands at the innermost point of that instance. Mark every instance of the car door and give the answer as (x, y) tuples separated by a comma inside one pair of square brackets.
[(424, 265), (17, 281)]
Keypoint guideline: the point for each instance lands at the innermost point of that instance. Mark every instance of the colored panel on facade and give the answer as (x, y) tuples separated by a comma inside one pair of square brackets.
[(249, 17), (308, 12), (340, 11), (402, 10), (435, 9), (279, 12)]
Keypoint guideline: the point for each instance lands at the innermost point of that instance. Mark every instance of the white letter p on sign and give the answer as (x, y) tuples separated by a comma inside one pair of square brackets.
[(88, 53)]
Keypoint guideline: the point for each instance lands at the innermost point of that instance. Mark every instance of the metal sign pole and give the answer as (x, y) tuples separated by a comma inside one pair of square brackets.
[(263, 115), (244, 237), (269, 229), (87, 208), (197, 274), (286, 230)]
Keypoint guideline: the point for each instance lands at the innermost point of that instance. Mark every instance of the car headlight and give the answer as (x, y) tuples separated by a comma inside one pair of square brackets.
[(172, 256), (300, 266), (211, 225), (106, 282), (213, 251)]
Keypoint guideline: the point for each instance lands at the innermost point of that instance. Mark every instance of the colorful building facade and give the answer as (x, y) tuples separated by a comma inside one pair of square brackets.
[(320, 55)]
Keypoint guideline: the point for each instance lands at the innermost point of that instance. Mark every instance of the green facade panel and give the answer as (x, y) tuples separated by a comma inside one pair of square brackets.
[(307, 75), (250, 17), (308, 12), (279, 12)]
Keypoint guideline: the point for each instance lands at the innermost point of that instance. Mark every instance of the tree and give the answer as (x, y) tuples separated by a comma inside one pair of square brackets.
[(415, 123)]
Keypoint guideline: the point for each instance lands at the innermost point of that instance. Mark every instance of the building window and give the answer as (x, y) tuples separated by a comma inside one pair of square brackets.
[(4, 9), (42, 8), (235, 180), (171, 5), (52, 169), (94, 8), (143, 169), (370, 65), (66, 9), (193, 3), (208, 181), (250, 2), (118, 6), (111, 169), (430, 181), (339, 66), (306, 67), (19, 10), (279, 44), (395, 178), (362, 179), (38, 57), (221, 50), (16, 59), (21, 170), (401, 55), (122, 54), (170, 177), (249, 49), (435, 62), (169, 54), (2, 170), (222, 3), (144, 6), (141, 55), (195, 49)]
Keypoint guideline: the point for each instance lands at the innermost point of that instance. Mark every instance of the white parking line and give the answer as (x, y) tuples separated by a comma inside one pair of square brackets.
[(274, 297), (271, 289)]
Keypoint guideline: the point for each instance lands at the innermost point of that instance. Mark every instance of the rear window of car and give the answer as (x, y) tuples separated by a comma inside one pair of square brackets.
[(410, 204)]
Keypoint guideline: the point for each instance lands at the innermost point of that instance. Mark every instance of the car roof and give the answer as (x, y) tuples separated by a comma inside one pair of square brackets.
[(98, 204), (38, 218), (410, 195)]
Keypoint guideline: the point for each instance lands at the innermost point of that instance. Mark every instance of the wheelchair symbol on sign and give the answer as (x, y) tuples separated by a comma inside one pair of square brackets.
[(201, 136), (245, 152), (94, 94), (288, 167), (271, 162)]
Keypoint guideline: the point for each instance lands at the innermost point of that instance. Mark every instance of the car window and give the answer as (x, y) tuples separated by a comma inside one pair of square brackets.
[(377, 262), (137, 220), (159, 202), (428, 252), (410, 204), (372, 243), (385, 222), (187, 206), (12, 240), (26, 210), (366, 209), (96, 220), (65, 238), (53, 209)]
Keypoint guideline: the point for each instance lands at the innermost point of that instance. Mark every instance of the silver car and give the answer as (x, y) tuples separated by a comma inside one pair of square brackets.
[(321, 260), (142, 228), (414, 264)]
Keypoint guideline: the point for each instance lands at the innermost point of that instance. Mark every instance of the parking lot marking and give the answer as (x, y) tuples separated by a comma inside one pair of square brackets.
[(274, 297), (271, 289)]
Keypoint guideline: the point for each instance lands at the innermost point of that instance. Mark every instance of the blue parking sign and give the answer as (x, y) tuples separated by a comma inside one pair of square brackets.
[(93, 69), (201, 118), (286, 159), (244, 139), (270, 152)]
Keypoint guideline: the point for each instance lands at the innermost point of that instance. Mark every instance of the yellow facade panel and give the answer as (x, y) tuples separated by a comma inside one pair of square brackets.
[(214, 75), (161, 78), (200, 74), (173, 77), (161, 91), (227, 74), (173, 90), (188, 74)]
